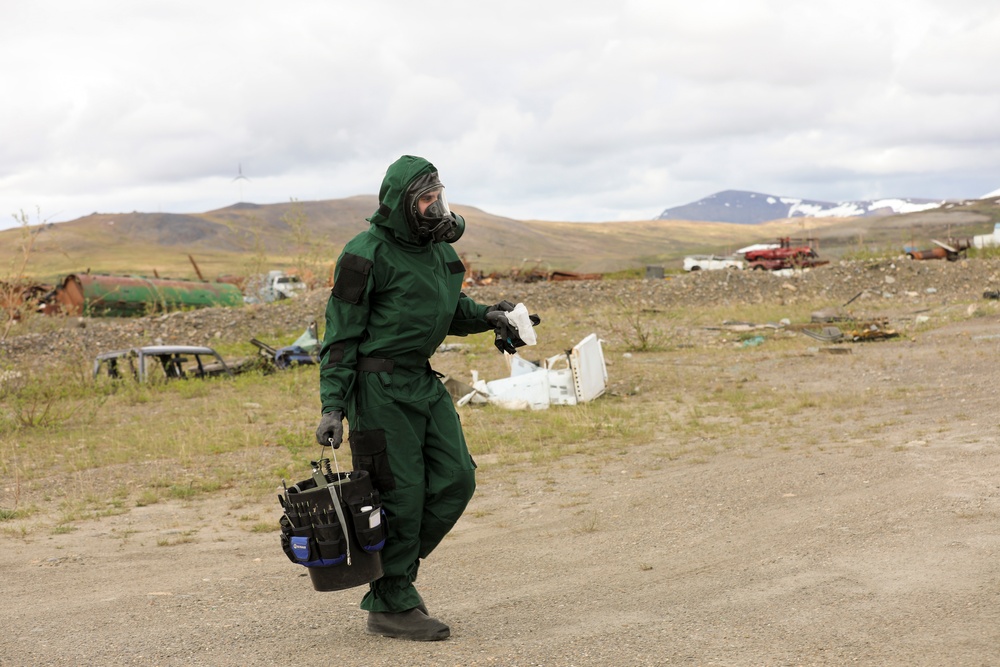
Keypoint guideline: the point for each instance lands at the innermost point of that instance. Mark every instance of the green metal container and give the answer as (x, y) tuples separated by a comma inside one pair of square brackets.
[(122, 296)]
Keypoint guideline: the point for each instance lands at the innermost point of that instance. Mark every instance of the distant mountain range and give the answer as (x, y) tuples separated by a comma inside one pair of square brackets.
[(751, 208)]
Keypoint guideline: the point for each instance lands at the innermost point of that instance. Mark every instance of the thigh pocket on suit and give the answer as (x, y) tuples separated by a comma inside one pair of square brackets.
[(368, 454)]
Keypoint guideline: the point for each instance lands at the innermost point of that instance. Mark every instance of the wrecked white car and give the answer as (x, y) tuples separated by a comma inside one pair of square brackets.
[(161, 362), (712, 262)]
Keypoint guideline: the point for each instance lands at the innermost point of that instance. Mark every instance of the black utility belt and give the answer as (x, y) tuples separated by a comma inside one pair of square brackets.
[(375, 365)]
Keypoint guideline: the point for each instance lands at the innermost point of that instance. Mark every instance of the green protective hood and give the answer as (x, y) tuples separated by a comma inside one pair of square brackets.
[(390, 215)]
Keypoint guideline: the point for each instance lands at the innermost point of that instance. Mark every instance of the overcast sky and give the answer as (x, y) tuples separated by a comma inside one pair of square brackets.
[(551, 109)]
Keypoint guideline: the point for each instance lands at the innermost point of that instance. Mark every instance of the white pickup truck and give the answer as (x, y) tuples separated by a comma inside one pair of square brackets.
[(274, 286), (712, 262)]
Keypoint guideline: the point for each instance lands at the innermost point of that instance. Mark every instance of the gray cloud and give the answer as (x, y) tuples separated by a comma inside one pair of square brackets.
[(558, 110)]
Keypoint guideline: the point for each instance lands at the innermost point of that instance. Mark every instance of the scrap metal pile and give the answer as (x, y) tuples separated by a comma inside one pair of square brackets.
[(16, 296), (788, 253), (523, 274), (955, 248), (853, 330)]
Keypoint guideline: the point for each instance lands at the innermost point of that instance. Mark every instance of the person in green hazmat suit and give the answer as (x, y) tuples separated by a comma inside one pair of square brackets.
[(397, 293)]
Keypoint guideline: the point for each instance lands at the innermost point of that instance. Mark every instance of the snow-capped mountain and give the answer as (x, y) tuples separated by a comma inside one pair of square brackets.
[(754, 207)]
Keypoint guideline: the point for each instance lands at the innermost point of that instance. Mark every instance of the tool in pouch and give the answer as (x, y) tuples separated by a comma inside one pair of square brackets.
[(334, 525)]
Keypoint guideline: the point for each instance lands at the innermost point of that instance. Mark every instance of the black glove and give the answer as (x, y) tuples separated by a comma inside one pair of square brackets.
[(330, 432), (504, 306), (506, 333)]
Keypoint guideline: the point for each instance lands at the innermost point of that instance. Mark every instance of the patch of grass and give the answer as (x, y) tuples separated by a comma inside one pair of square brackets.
[(193, 488), (591, 524), (990, 252), (183, 492), (625, 274), (10, 514), (124, 534), (553, 433), (639, 328), (194, 389), (147, 497), (18, 532), (863, 253), (184, 538)]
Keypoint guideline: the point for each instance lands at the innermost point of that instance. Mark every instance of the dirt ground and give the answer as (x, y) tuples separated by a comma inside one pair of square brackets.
[(870, 537)]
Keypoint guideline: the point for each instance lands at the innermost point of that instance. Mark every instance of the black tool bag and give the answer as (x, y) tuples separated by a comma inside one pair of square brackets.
[(334, 525)]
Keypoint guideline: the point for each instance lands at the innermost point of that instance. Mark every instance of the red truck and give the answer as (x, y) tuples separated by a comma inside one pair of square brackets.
[(785, 256)]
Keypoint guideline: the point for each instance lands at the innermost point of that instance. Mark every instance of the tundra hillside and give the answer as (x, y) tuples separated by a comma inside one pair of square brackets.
[(307, 236)]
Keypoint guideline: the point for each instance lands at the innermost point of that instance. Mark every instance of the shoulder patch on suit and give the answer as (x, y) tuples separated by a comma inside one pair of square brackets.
[(456, 266), (352, 278)]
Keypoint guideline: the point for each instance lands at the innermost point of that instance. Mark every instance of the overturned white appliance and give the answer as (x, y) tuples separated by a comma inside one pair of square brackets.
[(577, 376)]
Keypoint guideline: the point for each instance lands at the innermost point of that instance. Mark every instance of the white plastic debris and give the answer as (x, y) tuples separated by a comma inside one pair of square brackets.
[(590, 373), (526, 390), (519, 318), (579, 376)]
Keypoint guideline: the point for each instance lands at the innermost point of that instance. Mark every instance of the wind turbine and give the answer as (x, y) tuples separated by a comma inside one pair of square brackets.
[(240, 177)]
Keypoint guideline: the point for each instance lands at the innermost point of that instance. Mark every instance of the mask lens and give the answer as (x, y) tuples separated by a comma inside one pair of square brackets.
[(437, 208)]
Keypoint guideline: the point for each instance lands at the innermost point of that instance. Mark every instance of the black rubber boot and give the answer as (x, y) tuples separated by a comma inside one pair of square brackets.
[(412, 624)]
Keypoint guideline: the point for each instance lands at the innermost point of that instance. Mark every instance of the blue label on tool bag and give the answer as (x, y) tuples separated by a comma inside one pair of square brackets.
[(300, 547), (309, 556)]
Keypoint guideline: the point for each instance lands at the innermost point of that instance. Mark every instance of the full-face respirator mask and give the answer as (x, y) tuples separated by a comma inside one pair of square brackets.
[(428, 214)]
